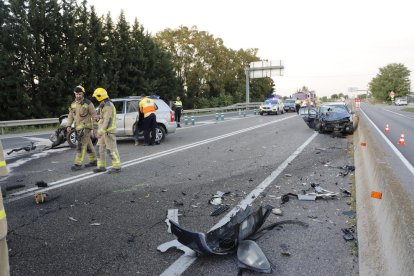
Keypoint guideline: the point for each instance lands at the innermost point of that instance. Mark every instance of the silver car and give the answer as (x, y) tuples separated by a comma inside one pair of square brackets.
[(127, 112)]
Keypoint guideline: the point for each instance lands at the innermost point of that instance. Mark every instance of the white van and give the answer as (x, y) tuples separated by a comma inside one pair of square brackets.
[(401, 101)]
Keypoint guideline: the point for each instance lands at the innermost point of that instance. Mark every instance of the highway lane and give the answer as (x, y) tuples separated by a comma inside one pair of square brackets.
[(112, 224), (400, 122)]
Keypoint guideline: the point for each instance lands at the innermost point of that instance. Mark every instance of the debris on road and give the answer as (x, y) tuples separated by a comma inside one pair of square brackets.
[(72, 219), (277, 212), (219, 210), (95, 224), (348, 234), (41, 184), (40, 197), (178, 203), (251, 257), (27, 148), (174, 243)]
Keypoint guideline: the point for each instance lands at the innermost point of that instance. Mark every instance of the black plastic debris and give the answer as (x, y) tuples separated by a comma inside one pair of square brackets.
[(178, 203), (251, 257), (27, 148), (219, 210), (346, 192), (350, 214), (285, 198), (223, 240), (348, 234), (14, 187), (41, 184)]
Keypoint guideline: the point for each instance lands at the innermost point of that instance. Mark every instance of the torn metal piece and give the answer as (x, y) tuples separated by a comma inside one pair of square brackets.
[(175, 243), (308, 197), (251, 257), (216, 201), (172, 214)]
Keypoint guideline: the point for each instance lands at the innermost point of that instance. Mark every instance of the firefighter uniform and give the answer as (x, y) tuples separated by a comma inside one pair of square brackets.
[(178, 109), (106, 132), (4, 255), (147, 107), (83, 113)]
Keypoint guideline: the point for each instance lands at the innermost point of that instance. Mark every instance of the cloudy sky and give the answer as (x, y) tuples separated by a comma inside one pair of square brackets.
[(326, 45)]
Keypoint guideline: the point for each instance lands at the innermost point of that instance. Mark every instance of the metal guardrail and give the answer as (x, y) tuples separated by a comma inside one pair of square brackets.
[(6, 124)]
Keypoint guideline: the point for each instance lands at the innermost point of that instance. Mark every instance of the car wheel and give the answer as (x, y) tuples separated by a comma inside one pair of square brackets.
[(261, 113), (283, 111), (159, 133), (71, 138)]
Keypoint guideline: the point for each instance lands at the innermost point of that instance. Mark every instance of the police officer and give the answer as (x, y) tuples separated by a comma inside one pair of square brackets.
[(84, 114), (106, 132), (178, 109), (4, 255), (147, 107)]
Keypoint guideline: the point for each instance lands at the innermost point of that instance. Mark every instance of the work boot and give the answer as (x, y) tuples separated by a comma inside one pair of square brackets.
[(114, 170), (91, 164), (98, 170), (178, 125), (136, 143), (76, 167)]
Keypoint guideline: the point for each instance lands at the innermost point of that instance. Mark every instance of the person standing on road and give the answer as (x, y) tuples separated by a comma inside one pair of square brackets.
[(83, 112), (178, 109), (4, 253), (106, 133), (147, 107), (297, 105)]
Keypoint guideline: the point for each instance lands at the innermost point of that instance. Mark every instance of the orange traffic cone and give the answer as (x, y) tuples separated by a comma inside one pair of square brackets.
[(402, 140), (387, 129)]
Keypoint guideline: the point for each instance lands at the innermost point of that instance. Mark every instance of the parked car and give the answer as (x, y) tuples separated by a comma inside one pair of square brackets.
[(329, 117), (289, 105), (401, 101), (127, 112), (272, 106)]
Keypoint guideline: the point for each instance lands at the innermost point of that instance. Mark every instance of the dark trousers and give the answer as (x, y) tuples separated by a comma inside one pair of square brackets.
[(149, 125), (297, 106), (178, 115)]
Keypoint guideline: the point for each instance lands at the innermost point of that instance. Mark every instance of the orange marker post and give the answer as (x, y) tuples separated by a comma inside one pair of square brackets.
[(402, 139), (377, 195), (387, 129)]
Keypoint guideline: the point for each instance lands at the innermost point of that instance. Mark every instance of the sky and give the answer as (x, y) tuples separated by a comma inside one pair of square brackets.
[(328, 46)]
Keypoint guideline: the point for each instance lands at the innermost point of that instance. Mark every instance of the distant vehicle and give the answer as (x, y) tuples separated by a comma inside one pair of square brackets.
[(289, 105), (401, 101), (329, 117), (272, 106)]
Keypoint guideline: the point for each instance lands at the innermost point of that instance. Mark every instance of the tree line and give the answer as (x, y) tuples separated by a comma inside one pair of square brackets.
[(47, 47)]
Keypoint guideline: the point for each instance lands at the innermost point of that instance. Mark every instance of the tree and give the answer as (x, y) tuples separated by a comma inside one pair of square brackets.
[(393, 77)]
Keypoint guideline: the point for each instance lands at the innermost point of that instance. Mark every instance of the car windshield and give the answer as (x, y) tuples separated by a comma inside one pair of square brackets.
[(290, 101), (271, 102), (333, 108)]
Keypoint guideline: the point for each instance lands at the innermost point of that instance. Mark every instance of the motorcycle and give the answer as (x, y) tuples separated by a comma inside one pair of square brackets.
[(61, 135)]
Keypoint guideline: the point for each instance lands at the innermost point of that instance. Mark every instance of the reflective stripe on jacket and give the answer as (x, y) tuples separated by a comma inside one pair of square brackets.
[(147, 106), (107, 112), (178, 104)]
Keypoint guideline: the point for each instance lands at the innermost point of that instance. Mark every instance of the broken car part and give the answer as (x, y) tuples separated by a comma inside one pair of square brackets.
[(219, 210), (251, 257), (223, 240), (28, 148)]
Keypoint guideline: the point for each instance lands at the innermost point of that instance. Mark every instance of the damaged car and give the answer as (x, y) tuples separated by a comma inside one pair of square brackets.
[(329, 117)]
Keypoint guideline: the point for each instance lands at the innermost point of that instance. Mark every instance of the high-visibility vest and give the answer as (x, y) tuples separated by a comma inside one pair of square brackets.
[(147, 106), (178, 104)]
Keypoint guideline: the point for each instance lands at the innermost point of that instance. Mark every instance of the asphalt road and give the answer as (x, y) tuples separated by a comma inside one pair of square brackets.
[(100, 224)]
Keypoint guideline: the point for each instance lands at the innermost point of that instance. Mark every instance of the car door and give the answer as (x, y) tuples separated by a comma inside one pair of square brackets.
[(130, 116), (120, 114), (308, 114)]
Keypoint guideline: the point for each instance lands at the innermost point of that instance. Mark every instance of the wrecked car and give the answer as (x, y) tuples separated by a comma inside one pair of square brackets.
[(329, 117)]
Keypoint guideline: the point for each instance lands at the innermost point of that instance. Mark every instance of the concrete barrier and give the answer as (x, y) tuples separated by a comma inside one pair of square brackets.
[(385, 226)]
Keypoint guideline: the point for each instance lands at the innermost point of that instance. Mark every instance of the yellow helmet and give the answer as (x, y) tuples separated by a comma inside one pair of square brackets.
[(100, 94), (79, 89)]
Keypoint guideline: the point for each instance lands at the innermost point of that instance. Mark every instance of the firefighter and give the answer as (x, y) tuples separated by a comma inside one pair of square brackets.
[(178, 109), (4, 255), (106, 132), (83, 112), (147, 107)]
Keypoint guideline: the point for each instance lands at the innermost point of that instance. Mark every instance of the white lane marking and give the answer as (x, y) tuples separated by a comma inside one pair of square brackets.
[(84, 176), (402, 115), (184, 262), (396, 151)]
